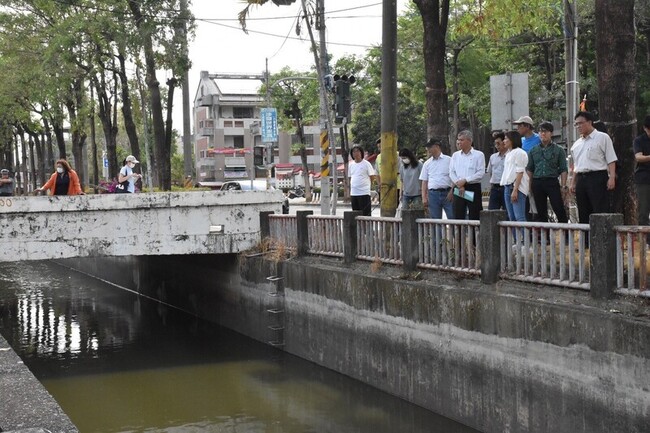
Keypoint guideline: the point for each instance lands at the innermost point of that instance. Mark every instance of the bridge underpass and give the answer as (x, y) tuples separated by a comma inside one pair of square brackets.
[(179, 223)]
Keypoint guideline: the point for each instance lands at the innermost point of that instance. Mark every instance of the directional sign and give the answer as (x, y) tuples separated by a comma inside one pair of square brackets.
[(269, 125), (105, 162)]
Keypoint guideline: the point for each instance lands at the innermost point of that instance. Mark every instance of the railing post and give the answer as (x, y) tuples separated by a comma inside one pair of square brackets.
[(490, 236), (265, 225), (350, 235), (410, 241), (602, 245), (303, 232)]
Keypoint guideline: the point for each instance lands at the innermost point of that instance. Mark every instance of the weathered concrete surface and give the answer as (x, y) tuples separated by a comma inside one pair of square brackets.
[(499, 358), (24, 404), (36, 228)]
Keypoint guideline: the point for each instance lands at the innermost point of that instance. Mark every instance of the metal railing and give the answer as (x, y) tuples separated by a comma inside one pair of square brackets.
[(325, 235), (379, 239), (632, 259), (548, 253), (283, 229), (449, 245)]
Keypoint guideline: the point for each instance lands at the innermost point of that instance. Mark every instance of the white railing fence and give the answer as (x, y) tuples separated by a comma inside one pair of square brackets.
[(549, 253)]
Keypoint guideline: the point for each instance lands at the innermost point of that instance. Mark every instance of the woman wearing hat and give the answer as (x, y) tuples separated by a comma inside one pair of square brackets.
[(127, 174), (6, 184), (64, 181)]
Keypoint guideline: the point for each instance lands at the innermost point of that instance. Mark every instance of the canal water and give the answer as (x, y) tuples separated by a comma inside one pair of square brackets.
[(117, 362)]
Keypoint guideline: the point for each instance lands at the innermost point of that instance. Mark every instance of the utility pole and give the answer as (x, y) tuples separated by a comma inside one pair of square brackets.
[(388, 174), (326, 134), (187, 138), (571, 68)]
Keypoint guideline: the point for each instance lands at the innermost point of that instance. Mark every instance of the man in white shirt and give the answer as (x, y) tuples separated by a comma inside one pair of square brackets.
[(361, 176), (436, 184), (466, 170), (594, 168)]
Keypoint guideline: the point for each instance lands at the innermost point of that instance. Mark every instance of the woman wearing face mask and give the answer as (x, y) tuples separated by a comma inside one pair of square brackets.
[(127, 174), (409, 173), (64, 181)]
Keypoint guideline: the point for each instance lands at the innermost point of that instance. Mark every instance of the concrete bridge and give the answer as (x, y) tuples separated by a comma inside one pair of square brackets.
[(206, 222)]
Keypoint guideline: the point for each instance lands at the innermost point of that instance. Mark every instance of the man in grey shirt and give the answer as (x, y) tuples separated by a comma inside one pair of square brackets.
[(6, 184)]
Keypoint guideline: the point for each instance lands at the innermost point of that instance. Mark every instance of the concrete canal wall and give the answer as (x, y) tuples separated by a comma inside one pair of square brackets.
[(24, 402), (500, 358)]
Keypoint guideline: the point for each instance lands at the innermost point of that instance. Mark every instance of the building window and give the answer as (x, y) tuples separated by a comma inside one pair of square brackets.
[(239, 123), (238, 141), (242, 112), (227, 123)]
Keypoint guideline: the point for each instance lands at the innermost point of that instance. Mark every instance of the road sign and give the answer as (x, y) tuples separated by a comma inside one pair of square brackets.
[(106, 162), (509, 99), (269, 125)]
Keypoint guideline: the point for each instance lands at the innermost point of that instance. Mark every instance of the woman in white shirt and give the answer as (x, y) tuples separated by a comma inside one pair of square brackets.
[(361, 176), (515, 179)]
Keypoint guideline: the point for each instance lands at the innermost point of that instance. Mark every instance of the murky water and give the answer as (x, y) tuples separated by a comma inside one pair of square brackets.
[(117, 362)]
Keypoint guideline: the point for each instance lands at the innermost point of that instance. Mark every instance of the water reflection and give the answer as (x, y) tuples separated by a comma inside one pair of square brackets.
[(119, 363)]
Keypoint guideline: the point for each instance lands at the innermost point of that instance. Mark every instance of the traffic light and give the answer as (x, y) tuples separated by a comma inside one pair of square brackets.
[(342, 105)]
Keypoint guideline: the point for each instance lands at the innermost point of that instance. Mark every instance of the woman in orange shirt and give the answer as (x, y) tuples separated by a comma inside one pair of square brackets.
[(64, 181)]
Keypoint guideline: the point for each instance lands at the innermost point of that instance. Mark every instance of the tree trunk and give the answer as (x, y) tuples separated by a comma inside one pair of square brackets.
[(435, 17), (615, 55), (49, 161), (36, 143), (77, 132), (60, 139), (108, 127), (155, 99), (129, 124)]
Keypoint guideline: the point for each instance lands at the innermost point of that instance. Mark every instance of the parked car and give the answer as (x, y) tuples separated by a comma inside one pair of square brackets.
[(256, 185)]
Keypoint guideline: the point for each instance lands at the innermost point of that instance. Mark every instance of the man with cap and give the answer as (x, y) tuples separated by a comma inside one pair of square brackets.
[(437, 194), (6, 184), (526, 128), (547, 163)]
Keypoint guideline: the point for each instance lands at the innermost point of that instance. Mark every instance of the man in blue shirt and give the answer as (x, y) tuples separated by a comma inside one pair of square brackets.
[(642, 172), (526, 128)]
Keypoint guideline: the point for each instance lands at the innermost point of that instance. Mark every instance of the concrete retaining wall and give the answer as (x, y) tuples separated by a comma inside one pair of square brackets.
[(503, 358), (37, 228)]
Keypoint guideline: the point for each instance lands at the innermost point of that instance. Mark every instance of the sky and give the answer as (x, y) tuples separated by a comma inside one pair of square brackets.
[(220, 46)]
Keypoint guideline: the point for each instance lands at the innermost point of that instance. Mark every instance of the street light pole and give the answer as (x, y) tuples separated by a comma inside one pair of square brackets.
[(326, 134), (571, 68)]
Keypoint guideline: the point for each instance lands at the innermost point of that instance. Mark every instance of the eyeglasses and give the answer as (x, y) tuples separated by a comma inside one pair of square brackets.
[(576, 124), (543, 130)]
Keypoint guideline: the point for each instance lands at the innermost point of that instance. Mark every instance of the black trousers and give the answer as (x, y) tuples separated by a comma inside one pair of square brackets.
[(497, 200), (362, 203), (548, 188), (462, 207), (591, 194)]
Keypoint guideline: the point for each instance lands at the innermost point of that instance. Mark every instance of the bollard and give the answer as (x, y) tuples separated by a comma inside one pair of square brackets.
[(350, 236), (410, 241), (602, 247), (490, 236), (303, 232), (265, 226)]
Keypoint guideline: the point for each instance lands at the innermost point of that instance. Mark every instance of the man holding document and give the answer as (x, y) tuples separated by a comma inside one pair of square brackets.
[(466, 169)]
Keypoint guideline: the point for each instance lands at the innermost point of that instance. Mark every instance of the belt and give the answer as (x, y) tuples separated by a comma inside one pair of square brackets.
[(589, 173), (439, 189), (497, 185)]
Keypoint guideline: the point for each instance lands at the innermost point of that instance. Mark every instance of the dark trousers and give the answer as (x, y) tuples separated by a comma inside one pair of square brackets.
[(362, 203), (591, 194), (496, 201), (548, 188), (462, 206)]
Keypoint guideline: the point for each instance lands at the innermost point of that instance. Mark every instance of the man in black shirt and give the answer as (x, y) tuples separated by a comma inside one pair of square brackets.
[(642, 172)]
